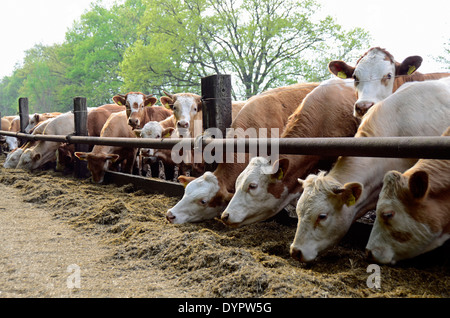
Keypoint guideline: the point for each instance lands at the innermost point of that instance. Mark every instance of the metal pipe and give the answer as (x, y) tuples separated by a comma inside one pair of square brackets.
[(433, 147)]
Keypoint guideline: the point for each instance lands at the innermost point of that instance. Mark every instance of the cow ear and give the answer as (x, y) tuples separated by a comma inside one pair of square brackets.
[(81, 155), (341, 69), (349, 193), (408, 66), (120, 99), (113, 157), (418, 184), (283, 165), (184, 180), (150, 100), (199, 105), (167, 102), (166, 133)]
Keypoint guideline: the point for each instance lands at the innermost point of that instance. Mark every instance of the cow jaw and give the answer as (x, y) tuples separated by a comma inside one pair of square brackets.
[(199, 201)]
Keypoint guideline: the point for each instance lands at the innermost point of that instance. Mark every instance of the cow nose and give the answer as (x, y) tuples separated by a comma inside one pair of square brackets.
[(133, 122), (183, 124), (225, 216), (369, 255), (296, 254), (170, 217), (362, 107)]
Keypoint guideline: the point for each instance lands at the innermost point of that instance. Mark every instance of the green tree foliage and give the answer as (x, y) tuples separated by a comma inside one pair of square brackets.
[(151, 45), (263, 43), (444, 59)]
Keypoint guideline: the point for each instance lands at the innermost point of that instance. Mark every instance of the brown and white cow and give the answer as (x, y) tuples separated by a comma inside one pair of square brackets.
[(207, 196), (38, 118), (377, 75), (413, 212), (102, 158), (45, 151), (325, 112), (331, 202), (187, 109), (140, 108)]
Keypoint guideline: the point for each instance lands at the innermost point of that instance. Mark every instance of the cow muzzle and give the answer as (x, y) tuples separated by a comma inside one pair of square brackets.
[(170, 217), (361, 108)]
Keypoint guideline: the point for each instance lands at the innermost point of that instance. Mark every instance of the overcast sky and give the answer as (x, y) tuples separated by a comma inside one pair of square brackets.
[(403, 27)]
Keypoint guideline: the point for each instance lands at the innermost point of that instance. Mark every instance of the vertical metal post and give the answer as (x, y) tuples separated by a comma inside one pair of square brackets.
[(80, 117), (216, 93), (24, 116)]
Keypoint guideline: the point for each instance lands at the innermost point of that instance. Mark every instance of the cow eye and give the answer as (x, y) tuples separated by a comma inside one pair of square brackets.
[(387, 215), (322, 217), (389, 76), (252, 186), (356, 80), (195, 109), (203, 201), (174, 107)]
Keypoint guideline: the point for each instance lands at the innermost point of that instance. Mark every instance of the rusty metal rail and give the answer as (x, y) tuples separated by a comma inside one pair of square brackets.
[(433, 147)]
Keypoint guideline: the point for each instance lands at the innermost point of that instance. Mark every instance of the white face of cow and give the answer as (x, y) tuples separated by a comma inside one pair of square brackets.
[(195, 206), (396, 235), (324, 215), (153, 130), (253, 201), (12, 160), (34, 120), (185, 107), (26, 160), (374, 77), (135, 104)]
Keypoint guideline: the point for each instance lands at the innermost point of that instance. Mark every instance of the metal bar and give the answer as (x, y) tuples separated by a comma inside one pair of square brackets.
[(433, 147)]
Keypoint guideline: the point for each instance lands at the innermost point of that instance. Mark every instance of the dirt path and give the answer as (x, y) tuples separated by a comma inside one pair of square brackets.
[(40, 255)]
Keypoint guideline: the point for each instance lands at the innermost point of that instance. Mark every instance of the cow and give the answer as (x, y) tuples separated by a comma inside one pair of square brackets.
[(413, 212), (102, 158), (331, 202), (45, 151), (139, 108), (187, 108), (6, 124), (98, 116), (325, 112), (12, 160), (38, 118), (377, 75), (207, 196)]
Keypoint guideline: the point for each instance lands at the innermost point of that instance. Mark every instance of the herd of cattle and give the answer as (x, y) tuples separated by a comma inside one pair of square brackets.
[(378, 97)]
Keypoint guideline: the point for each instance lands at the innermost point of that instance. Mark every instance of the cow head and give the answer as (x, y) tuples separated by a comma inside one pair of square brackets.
[(98, 163), (324, 215), (185, 107), (153, 130), (12, 160), (34, 120), (203, 199), (259, 193), (135, 104), (400, 230), (29, 160), (374, 76)]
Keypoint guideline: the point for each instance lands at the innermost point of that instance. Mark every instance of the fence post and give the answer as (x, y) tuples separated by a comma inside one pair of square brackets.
[(216, 94), (80, 118), (1, 145), (24, 116)]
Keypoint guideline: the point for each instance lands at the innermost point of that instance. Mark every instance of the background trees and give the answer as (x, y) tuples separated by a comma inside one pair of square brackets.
[(151, 45)]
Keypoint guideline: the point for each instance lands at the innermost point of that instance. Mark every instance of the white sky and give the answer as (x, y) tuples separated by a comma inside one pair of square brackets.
[(403, 27)]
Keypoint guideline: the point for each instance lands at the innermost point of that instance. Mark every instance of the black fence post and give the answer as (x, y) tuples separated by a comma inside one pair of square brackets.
[(1, 145), (80, 117), (216, 94), (24, 116)]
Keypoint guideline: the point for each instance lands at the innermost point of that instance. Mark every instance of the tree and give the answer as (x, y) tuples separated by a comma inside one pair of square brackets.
[(445, 58), (262, 43)]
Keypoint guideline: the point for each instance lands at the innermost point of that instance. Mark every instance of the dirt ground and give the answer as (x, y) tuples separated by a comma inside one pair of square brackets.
[(122, 245)]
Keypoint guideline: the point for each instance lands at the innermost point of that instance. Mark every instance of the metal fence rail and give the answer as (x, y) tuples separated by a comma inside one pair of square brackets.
[(433, 147)]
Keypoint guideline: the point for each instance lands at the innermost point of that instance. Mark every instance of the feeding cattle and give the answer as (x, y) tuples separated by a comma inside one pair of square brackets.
[(207, 196), (102, 158), (140, 108), (377, 75), (12, 160), (413, 212), (331, 202), (325, 112), (38, 118)]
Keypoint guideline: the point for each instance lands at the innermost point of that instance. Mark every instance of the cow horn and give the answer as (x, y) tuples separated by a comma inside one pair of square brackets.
[(168, 95)]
